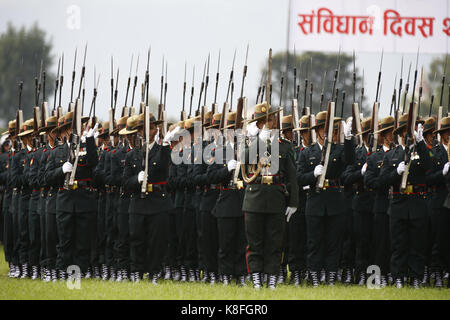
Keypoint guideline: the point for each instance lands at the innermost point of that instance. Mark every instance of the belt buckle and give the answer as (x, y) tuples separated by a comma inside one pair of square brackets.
[(326, 183), (409, 189), (240, 184), (149, 187), (267, 179), (75, 185)]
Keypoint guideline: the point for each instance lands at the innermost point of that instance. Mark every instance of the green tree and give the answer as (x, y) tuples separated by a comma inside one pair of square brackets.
[(435, 83), (21, 52), (313, 65)]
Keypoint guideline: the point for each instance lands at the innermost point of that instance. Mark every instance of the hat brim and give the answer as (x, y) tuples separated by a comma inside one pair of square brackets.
[(46, 129), (263, 116), (384, 129), (301, 129), (441, 130), (363, 132), (213, 126), (124, 131), (396, 130), (25, 133), (323, 124)]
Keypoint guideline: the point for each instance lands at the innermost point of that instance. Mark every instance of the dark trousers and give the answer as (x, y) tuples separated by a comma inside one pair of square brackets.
[(24, 235), (189, 239), (325, 235), (232, 246), (101, 234), (43, 250), (8, 235), (441, 227), (297, 241), (211, 242), (381, 242), (200, 239), (264, 237), (94, 254), (171, 255), (14, 211), (110, 228), (348, 242), (148, 241), (123, 247), (51, 240), (408, 237), (34, 227), (362, 228), (74, 241), (2, 218), (179, 229)]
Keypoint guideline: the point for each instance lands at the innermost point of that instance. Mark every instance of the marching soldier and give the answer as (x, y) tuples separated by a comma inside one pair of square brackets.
[(407, 209), (324, 208), (5, 179), (148, 211), (381, 236), (437, 179), (267, 200), (228, 208), (297, 223), (73, 205), (209, 193), (362, 204), (20, 180)]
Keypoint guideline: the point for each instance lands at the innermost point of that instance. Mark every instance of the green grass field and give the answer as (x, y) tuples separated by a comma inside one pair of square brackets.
[(17, 289)]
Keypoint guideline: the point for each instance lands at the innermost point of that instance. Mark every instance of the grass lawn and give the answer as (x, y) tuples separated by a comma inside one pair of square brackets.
[(18, 289)]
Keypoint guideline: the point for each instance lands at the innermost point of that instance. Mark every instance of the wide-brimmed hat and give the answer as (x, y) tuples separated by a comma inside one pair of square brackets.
[(429, 125), (50, 123), (262, 110), (321, 118), (215, 121), (189, 123), (11, 128), (207, 118), (385, 124), (365, 125), (121, 123), (286, 123), (131, 126), (402, 122), (26, 128), (303, 123), (445, 125), (230, 122)]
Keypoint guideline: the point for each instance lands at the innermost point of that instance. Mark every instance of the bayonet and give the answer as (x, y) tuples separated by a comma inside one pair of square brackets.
[(135, 83), (61, 81), (420, 92), (231, 77), (336, 74), (443, 81), (129, 81), (415, 77), (406, 88), (206, 81), (83, 70), (432, 98), (323, 90), (73, 75), (192, 91), (56, 85), (379, 75), (400, 86), (183, 114)]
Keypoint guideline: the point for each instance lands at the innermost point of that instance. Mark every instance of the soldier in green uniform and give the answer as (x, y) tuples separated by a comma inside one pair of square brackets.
[(20, 181), (149, 210), (297, 223), (362, 205), (381, 236), (209, 192), (407, 209), (228, 207), (5, 180), (267, 199), (324, 208), (437, 179), (73, 205)]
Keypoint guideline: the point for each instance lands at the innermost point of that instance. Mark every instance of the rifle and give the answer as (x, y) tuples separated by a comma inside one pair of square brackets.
[(128, 85), (406, 89), (192, 92), (206, 85), (43, 112), (362, 91), (202, 87), (394, 95), (163, 113), (61, 80), (147, 76), (294, 103), (19, 119), (336, 74), (409, 142), (93, 119), (279, 115), (327, 142), (260, 88), (440, 109), (215, 105), (183, 113), (134, 89), (399, 92), (322, 93), (225, 109), (420, 92), (443, 82), (373, 138), (160, 105), (269, 79), (146, 144), (75, 136), (306, 87), (241, 112), (71, 105)]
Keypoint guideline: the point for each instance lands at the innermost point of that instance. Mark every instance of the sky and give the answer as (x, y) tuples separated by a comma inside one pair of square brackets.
[(181, 31)]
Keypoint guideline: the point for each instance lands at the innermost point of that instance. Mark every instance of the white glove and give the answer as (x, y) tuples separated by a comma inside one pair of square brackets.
[(445, 170), (141, 176), (232, 164), (419, 133), (289, 212), (363, 169), (348, 129), (318, 170), (252, 129), (92, 131), (83, 138), (264, 134), (67, 167), (401, 168), (157, 136)]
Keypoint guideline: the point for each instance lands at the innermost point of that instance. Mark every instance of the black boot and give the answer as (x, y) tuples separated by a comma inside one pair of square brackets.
[(331, 278), (256, 278), (314, 278)]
